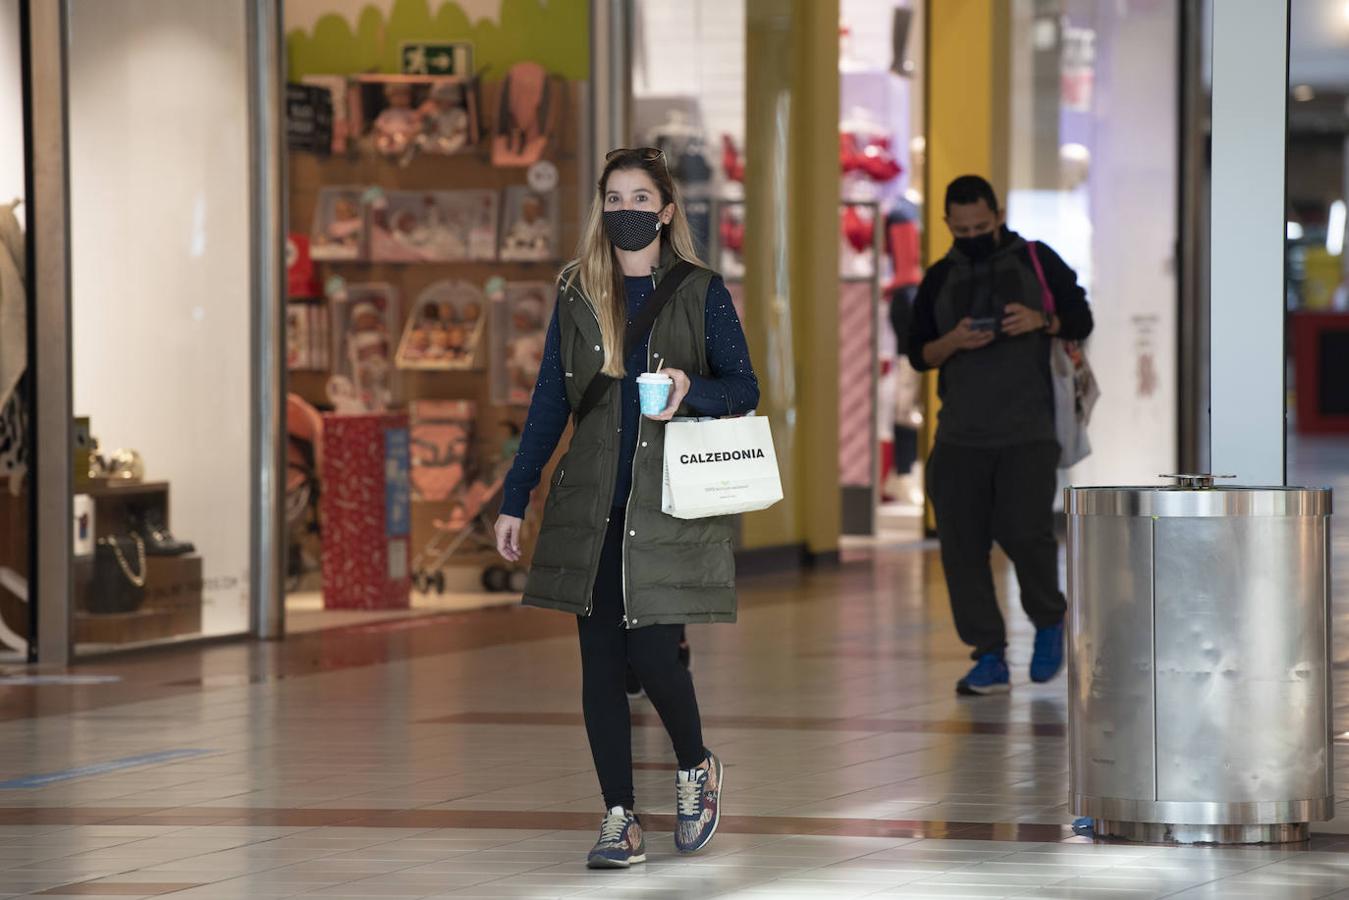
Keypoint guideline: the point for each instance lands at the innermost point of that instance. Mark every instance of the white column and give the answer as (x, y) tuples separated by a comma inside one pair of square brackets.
[(1250, 97)]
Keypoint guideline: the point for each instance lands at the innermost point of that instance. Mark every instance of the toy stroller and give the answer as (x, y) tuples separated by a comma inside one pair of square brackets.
[(470, 523)]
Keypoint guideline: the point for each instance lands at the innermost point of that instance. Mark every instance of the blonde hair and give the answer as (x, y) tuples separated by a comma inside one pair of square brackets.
[(596, 263)]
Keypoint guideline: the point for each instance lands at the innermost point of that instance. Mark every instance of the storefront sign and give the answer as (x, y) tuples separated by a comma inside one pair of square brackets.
[(454, 58), (309, 119)]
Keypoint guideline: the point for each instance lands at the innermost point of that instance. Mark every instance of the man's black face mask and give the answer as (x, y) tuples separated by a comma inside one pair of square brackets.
[(980, 246)]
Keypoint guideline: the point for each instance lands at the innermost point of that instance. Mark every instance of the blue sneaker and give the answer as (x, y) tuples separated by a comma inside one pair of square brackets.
[(1047, 660), (621, 842), (698, 802), (989, 676)]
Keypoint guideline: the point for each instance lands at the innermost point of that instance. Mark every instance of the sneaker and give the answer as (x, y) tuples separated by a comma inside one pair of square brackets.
[(1047, 659), (698, 803), (989, 676), (621, 842), (633, 686)]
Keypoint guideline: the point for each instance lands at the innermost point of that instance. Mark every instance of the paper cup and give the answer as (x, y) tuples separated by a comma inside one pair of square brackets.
[(654, 390)]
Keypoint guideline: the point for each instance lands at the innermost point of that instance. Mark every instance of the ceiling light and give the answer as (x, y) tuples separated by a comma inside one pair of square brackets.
[(1303, 92)]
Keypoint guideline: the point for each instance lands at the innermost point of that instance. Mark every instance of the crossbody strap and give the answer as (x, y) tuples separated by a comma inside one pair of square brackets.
[(1046, 295), (636, 333)]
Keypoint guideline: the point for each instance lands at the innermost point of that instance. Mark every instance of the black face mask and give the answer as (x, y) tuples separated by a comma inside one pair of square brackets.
[(981, 246), (631, 229)]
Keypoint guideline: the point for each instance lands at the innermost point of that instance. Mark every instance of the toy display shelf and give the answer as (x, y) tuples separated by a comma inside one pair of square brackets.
[(470, 170)]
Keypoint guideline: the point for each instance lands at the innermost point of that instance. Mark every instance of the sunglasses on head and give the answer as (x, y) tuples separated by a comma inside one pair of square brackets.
[(647, 154)]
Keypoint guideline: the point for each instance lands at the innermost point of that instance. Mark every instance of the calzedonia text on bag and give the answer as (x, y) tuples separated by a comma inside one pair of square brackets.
[(719, 467), (733, 456)]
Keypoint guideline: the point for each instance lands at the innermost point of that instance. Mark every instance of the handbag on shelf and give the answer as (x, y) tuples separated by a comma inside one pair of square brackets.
[(119, 575)]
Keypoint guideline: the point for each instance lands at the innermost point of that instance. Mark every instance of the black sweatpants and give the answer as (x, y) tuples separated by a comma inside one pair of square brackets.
[(653, 650), (1004, 494)]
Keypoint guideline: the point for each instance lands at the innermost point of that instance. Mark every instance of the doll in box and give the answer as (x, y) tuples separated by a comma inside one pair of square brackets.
[(369, 357), (398, 124), (532, 235), (524, 350), (368, 347), (340, 236), (444, 120)]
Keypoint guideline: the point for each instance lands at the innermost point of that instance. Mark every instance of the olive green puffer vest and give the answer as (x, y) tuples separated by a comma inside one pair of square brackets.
[(674, 571)]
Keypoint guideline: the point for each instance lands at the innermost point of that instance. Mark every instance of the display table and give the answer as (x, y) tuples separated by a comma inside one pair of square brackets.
[(365, 511)]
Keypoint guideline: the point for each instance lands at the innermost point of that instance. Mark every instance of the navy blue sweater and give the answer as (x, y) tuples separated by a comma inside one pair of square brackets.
[(732, 389)]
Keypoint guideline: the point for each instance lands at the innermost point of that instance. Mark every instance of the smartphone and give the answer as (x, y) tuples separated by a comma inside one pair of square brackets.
[(989, 323)]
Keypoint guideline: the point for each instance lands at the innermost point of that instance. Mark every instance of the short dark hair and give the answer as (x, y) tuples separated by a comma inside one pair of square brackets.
[(970, 189)]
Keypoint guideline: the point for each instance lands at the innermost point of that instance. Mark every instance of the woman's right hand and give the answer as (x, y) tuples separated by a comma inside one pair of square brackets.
[(508, 537)]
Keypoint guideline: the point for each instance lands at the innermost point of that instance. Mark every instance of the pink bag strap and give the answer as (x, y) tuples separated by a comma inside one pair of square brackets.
[(1046, 295)]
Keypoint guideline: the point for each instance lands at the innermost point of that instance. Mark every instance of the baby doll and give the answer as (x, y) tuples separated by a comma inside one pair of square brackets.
[(444, 120), (531, 236), (344, 229), (440, 344), (369, 356), (524, 352), (398, 123), (456, 340), (419, 342)]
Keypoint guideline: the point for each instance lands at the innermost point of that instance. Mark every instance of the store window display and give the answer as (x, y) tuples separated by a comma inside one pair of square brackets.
[(162, 320), (454, 187), (879, 393)]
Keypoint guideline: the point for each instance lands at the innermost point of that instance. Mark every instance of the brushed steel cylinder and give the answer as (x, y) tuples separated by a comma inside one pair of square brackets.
[(1199, 661)]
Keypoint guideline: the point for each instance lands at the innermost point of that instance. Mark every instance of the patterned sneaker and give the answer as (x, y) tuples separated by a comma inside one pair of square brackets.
[(621, 843), (698, 802), (1047, 659), (989, 676)]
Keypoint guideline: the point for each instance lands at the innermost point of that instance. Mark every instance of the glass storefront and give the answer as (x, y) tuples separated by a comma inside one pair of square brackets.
[(1317, 261), (439, 170), (160, 186), (1092, 170)]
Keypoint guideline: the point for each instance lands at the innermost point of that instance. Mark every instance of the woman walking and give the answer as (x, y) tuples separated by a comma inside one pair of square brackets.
[(632, 575)]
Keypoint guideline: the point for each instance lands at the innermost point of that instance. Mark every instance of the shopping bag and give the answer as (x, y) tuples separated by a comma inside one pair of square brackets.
[(1075, 387), (719, 467), (1075, 395)]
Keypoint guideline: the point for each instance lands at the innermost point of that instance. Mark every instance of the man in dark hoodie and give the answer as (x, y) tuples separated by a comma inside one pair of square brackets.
[(980, 318)]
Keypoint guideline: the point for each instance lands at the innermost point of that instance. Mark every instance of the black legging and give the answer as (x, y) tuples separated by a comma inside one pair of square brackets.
[(607, 648)]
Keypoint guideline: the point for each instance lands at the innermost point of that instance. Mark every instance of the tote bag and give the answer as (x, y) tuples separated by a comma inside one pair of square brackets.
[(719, 467), (1075, 388)]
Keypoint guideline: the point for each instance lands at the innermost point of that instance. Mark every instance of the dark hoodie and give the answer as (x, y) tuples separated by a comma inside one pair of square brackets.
[(1000, 395)]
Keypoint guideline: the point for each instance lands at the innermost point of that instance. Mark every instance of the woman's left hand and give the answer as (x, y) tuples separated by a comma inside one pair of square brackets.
[(677, 394)]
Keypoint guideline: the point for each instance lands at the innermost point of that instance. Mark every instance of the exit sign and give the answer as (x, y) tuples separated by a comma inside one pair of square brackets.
[(455, 58)]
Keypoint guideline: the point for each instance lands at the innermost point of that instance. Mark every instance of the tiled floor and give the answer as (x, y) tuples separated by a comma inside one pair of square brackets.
[(447, 759)]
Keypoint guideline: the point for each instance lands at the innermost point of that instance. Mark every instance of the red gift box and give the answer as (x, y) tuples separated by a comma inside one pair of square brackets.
[(301, 277), (366, 511)]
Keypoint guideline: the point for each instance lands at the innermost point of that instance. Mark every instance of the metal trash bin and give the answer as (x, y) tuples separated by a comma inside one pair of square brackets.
[(1199, 661)]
